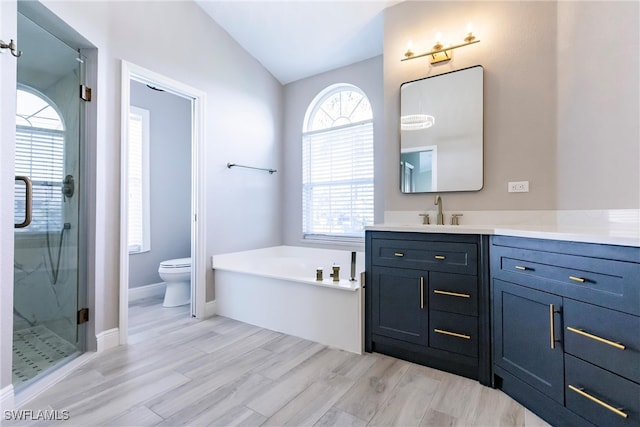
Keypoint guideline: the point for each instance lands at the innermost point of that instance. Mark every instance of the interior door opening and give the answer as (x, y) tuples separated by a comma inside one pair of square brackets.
[(177, 185)]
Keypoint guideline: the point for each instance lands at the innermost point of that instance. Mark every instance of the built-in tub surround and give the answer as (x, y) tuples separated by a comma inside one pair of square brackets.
[(613, 226), (276, 288)]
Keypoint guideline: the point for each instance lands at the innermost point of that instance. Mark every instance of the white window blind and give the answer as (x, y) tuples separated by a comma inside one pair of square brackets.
[(40, 140), (40, 156), (337, 169), (138, 169)]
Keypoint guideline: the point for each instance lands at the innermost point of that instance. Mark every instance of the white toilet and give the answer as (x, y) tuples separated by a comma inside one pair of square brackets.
[(176, 273)]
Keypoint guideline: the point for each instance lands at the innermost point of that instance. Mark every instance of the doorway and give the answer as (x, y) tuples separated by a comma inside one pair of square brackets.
[(134, 79), (48, 234)]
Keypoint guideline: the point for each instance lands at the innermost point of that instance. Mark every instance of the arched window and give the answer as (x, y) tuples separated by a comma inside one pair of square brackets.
[(40, 136), (337, 163)]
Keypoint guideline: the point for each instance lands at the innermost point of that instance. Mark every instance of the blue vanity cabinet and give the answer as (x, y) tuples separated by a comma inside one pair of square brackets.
[(399, 300), (566, 329), (426, 300), (526, 332)]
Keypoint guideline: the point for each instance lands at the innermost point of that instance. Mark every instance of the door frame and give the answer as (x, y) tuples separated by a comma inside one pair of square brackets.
[(198, 261)]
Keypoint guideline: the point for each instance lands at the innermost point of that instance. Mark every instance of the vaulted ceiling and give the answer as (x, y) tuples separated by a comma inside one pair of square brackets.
[(297, 39)]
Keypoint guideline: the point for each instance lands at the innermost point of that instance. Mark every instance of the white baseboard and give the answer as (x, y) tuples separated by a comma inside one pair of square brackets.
[(210, 309), (6, 398), (108, 339), (153, 290)]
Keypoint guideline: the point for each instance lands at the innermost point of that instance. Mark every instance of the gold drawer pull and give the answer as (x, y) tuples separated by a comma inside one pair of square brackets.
[(597, 338), (583, 393), (576, 279), (521, 268), (453, 334), (399, 254), (452, 294), (439, 257), (421, 293), (552, 333)]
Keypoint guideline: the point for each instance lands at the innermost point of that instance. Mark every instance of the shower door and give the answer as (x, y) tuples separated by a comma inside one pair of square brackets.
[(47, 205)]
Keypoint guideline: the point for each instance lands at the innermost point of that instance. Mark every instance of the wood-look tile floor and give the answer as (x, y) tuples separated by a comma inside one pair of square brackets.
[(221, 372)]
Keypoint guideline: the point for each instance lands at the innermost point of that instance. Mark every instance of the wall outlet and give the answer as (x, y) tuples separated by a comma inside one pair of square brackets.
[(518, 187)]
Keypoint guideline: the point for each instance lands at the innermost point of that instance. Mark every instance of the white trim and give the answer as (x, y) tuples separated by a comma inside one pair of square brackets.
[(198, 191), (7, 398), (108, 339), (210, 309), (147, 291)]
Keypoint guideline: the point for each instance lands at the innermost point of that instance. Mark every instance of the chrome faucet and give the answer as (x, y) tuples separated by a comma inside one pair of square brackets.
[(440, 217)]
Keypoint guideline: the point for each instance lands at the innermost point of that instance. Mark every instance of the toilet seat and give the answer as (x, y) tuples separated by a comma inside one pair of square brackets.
[(176, 263)]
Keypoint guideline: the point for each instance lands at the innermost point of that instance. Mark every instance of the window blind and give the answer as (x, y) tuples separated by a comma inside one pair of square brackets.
[(138, 170), (338, 180), (40, 156)]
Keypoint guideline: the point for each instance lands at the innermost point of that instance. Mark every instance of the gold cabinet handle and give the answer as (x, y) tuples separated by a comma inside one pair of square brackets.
[(576, 279), (28, 201), (583, 393), (552, 334), (521, 268), (596, 338), (452, 294), (439, 257), (421, 293), (399, 254), (453, 334)]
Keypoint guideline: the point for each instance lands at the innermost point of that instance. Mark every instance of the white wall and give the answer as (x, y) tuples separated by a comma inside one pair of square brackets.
[(367, 75), (169, 182), (199, 53), (598, 153)]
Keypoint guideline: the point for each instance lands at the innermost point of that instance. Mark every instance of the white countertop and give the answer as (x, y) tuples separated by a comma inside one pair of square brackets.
[(626, 236)]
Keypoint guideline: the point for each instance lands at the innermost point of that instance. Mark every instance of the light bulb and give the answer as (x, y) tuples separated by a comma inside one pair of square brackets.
[(470, 28)]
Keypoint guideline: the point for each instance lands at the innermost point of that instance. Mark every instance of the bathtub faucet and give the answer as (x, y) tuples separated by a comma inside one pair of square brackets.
[(336, 273)]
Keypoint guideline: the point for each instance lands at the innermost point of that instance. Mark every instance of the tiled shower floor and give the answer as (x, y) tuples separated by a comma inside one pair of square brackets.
[(35, 350)]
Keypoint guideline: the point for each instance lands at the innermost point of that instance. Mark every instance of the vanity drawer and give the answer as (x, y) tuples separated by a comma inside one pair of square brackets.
[(607, 338), (453, 332), (421, 255), (600, 396), (607, 282), (455, 293)]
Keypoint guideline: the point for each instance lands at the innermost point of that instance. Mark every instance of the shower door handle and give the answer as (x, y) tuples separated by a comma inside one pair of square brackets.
[(29, 201)]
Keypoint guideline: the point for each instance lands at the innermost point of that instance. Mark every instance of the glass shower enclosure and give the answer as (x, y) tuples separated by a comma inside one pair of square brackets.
[(47, 204)]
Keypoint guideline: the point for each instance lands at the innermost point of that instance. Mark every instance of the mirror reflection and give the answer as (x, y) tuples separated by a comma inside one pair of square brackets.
[(441, 132)]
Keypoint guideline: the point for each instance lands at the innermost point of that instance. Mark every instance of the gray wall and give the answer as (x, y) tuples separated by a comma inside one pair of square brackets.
[(557, 113), (170, 182), (367, 75), (517, 50)]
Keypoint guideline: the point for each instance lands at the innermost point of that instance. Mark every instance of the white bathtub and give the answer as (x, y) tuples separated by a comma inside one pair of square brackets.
[(276, 288)]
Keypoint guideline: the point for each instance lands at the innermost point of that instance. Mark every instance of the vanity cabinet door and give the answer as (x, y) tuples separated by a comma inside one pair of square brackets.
[(527, 336), (399, 304)]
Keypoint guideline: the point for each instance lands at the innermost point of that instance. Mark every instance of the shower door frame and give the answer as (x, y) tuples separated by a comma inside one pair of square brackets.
[(131, 72)]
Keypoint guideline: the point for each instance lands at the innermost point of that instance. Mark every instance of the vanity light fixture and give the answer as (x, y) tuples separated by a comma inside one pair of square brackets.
[(440, 53)]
